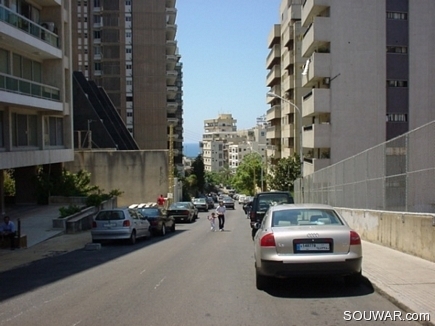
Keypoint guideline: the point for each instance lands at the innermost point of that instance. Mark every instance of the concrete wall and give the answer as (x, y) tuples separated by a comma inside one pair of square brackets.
[(142, 175), (412, 233)]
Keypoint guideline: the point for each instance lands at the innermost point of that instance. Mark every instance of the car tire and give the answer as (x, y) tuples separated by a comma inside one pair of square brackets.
[(173, 227), (163, 230), (260, 281), (133, 237), (353, 279)]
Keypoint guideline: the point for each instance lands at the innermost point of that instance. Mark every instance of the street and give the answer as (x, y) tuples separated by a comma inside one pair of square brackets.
[(191, 277)]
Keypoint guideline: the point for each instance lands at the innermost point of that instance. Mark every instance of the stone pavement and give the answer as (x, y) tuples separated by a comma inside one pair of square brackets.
[(407, 281)]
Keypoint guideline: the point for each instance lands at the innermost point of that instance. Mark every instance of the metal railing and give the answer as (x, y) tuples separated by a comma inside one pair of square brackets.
[(27, 87), (28, 26), (397, 175)]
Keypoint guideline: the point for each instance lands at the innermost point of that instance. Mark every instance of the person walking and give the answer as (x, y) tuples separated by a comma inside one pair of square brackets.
[(212, 219), (161, 201), (220, 211), (7, 230)]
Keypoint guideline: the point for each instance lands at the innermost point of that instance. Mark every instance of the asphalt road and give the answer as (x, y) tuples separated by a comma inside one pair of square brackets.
[(191, 277)]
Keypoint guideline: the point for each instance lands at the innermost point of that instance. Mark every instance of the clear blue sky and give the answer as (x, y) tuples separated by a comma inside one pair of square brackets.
[(223, 47)]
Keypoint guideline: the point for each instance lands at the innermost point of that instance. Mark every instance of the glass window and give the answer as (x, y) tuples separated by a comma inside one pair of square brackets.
[(4, 61), (16, 65)]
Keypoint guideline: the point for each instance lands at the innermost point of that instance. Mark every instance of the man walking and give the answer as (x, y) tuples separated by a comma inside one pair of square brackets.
[(7, 230), (220, 211)]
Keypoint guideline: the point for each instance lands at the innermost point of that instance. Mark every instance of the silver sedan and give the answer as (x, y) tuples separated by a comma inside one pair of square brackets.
[(305, 240)]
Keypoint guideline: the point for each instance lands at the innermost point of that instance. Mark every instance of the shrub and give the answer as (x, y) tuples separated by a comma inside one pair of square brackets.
[(70, 210)]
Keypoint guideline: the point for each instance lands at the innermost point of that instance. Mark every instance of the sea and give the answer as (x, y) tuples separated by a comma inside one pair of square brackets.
[(191, 150)]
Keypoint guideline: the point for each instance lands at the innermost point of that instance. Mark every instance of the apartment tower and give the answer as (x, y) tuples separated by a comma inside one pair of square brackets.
[(35, 91), (128, 47)]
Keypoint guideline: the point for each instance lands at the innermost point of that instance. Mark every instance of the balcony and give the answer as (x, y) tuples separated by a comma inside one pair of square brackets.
[(317, 36), (273, 132), (171, 14), (287, 83), (313, 8), (317, 136), (274, 76), (171, 107), (171, 61), (172, 121), (29, 36), (171, 47), (318, 70), (171, 76), (171, 92), (288, 131), (274, 36), (273, 113), (274, 56), (273, 152), (312, 165), (316, 102), (171, 30), (170, 3)]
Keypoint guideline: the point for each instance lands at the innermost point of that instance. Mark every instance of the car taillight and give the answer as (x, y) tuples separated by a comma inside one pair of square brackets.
[(94, 224), (252, 214), (354, 238), (153, 222), (126, 223), (268, 240)]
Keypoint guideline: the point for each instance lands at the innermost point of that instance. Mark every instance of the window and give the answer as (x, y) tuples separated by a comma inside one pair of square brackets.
[(97, 65), (397, 15), (4, 61), (397, 117), (96, 3), (397, 49), (128, 66), (397, 83), (128, 34), (128, 3), (24, 130), (128, 50), (129, 114), (97, 34), (128, 18)]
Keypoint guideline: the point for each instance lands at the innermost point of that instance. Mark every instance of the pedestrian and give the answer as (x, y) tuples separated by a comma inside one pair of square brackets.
[(220, 211), (7, 230), (160, 201), (212, 219)]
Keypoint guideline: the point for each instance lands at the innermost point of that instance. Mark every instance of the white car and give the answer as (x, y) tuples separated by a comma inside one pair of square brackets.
[(306, 240), (241, 199), (119, 223)]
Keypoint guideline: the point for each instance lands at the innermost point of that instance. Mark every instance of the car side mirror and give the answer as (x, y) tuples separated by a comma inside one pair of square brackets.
[(257, 225)]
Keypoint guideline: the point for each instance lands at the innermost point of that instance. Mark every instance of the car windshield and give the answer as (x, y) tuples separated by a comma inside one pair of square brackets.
[(267, 200), (295, 217), (179, 205), (110, 215), (150, 212), (199, 200)]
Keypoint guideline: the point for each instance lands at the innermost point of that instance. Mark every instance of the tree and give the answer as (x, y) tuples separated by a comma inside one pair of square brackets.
[(198, 171), (283, 175), (248, 174)]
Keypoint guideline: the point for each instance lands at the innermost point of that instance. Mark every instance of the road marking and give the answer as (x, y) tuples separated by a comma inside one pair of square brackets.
[(142, 272), (158, 284)]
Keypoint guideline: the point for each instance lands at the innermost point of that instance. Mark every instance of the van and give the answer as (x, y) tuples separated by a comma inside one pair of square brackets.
[(261, 203)]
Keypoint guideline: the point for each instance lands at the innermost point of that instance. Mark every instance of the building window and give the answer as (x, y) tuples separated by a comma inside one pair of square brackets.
[(97, 65), (397, 83), (97, 34), (128, 2), (397, 15), (128, 34), (96, 3), (397, 49), (128, 66), (129, 114), (128, 50), (397, 117), (128, 18), (24, 131)]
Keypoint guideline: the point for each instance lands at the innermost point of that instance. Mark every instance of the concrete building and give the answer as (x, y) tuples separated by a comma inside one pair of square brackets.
[(35, 90), (129, 49), (364, 77)]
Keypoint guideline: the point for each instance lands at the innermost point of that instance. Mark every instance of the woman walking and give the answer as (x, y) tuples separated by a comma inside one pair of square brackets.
[(220, 211)]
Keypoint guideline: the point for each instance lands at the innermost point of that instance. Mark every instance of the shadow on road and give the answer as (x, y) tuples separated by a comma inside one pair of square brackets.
[(309, 288), (54, 268)]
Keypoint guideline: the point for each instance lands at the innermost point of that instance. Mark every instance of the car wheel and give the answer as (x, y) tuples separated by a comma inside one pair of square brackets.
[(260, 281), (133, 237), (353, 279), (173, 227), (163, 230)]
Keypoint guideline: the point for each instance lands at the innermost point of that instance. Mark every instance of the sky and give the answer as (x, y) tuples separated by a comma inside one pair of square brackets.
[(223, 48)]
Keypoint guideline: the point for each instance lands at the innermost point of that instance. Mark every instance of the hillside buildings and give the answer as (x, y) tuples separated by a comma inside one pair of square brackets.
[(35, 90), (359, 73)]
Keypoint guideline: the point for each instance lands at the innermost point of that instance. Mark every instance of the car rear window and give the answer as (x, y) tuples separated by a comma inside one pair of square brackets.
[(110, 215), (267, 200), (295, 217), (149, 211), (178, 206)]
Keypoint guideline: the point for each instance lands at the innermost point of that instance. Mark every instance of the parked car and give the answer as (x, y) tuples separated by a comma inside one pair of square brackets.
[(119, 223), (228, 202), (200, 203), (183, 211), (159, 221), (210, 202), (306, 240), (261, 203), (242, 199)]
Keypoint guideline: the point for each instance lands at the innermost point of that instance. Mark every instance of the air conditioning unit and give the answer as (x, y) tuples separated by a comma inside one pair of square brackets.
[(49, 25)]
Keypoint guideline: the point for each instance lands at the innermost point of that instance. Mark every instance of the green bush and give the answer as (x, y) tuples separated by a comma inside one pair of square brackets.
[(98, 198), (70, 210)]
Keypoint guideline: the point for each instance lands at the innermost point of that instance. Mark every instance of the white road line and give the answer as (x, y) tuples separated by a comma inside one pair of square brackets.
[(158, 284)]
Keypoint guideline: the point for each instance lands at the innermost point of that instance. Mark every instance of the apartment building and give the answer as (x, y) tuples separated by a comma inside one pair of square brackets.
[(363, 78), (129, 48), (35, 91)]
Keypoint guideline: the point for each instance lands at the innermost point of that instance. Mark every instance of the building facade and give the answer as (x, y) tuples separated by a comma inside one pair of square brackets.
[(362, 75), (35, 90), (129, 48)]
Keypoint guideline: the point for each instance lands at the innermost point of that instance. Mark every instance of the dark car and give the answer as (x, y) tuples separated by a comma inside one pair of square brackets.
[(183, 211), (210, 202), (228, 202), (159, 221), (261, 203)]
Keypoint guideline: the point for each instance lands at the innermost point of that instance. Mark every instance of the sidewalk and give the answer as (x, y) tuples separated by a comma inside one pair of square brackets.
[(407, 281)]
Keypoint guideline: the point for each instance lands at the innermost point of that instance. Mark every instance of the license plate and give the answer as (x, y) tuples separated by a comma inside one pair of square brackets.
[(312, 247), (109, 225)]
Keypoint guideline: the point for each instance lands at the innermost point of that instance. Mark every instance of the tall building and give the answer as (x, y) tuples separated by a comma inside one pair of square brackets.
[(128, 47), (35, 90), (365, 74)]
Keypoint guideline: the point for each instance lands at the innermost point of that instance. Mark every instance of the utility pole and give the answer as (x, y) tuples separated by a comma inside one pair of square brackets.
[(171, 165)]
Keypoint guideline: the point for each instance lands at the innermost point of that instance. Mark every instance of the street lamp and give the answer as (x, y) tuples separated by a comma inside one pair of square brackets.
[(300, 129)]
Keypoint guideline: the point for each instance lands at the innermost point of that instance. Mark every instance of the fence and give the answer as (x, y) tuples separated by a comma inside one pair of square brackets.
[(397, 175)]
